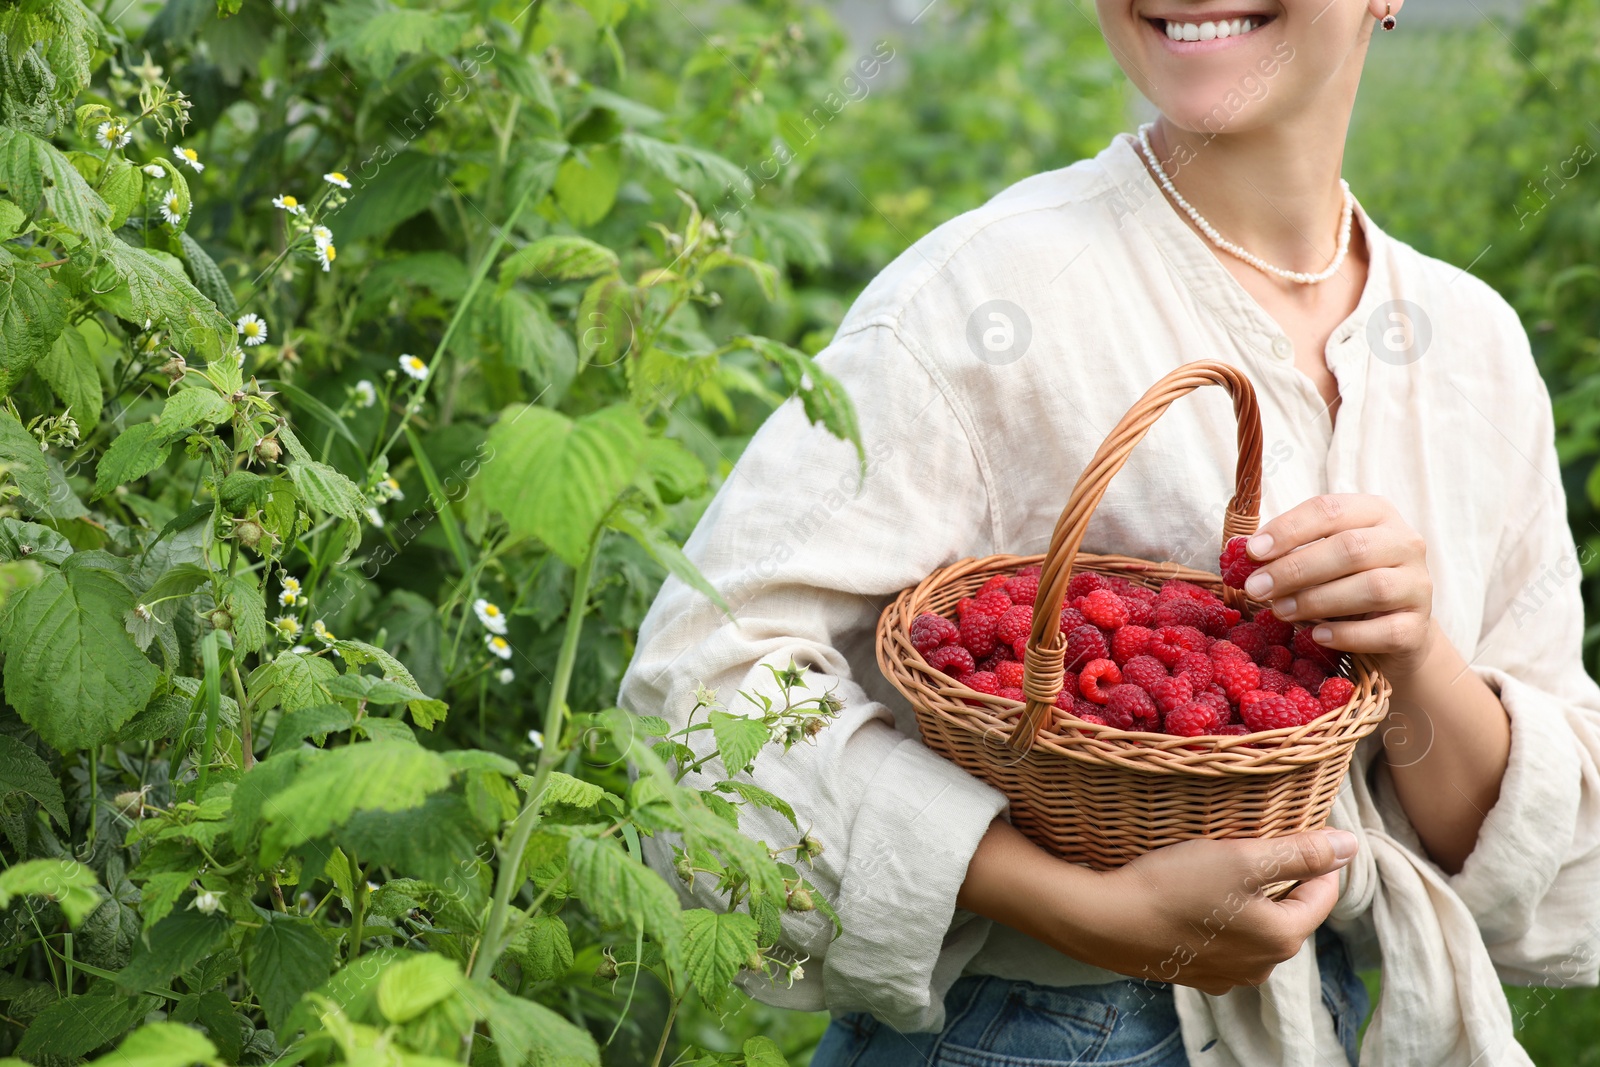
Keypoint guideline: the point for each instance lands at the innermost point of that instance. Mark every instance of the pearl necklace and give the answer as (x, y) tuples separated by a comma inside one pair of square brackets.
[(1232, 249)]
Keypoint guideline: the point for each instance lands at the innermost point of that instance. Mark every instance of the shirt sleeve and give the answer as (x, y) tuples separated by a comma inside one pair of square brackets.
[(1534, 875), (807, 552)]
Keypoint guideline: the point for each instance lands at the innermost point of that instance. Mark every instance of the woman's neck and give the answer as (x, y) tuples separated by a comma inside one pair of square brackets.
[(1273, 191)]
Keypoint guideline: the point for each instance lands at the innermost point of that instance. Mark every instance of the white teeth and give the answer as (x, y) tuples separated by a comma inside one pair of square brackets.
[(1209, 31)]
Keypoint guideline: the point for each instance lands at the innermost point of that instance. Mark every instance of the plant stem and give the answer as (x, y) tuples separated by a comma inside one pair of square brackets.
[(358, 909), (666, 1032), (245, 741), (508, 878)]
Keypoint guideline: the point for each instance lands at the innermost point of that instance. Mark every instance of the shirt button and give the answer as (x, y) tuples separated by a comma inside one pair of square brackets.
[(1282, 347)]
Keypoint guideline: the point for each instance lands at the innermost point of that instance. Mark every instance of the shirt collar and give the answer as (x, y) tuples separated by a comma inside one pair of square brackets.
[(1197, 266)]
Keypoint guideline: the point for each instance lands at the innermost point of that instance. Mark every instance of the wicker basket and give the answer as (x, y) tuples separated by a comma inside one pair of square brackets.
[(1094, 794)]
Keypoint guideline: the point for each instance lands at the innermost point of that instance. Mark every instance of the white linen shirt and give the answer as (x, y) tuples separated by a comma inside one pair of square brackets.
[(976, 427)]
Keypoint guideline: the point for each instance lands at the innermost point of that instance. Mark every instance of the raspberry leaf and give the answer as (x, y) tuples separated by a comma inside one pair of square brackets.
[(288, 958), (69, 884), (739, 739), (713, 949)]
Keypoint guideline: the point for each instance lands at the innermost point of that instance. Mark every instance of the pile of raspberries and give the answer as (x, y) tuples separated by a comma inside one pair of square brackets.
[(1175, 660)]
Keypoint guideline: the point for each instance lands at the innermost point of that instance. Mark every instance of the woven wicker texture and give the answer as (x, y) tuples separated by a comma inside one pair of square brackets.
[(1094, 794)]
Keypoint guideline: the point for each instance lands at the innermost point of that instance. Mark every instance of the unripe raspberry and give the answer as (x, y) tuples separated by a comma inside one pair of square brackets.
[(220, 619), (268, 450), (800, 899), (248, 532)]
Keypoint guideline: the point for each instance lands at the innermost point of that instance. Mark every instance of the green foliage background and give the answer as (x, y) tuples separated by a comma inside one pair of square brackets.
[(264, 767)]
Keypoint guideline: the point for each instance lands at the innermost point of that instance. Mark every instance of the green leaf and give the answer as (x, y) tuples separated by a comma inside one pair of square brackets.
[(21, 459), (825, 401), (31, 166), (754, 794), (532, 342), (324, 488), (208, 277), (417, 983), (69, 368), (249, 612), (292, 680), (333, 785), (304, 401), (174, 945), (191, 409), (315, 722), (122, 187), (28, 540), (555, 478), (405, 186), (12, 218), (162, 1045), (425, 712), (22, 771), (562, 788), (73, 1027), (706, 175), (586, 185), (665, 551), (160, 894), (72, 672), (33, 312), (135, 453), (561, 258), (375, 33), (714, 948), (620, 890), (138, 285), (69, 884), (543, 947), (435, 841), (763, 1052), (739, 739), (288, 957), (525, 1032)]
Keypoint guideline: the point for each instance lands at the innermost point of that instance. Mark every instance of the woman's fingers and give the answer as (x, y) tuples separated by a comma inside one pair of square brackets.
[(1382, 589), (1400, 631), (1319, 517), (1343, 553)]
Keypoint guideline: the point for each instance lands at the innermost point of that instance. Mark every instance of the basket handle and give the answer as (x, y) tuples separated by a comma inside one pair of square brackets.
[(1043, 664)]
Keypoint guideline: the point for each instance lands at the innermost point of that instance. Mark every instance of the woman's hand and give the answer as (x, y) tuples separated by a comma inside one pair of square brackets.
[(1352, 560), (1192, 913)]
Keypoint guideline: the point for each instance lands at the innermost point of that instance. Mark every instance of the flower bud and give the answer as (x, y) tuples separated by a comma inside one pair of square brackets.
[(130, 803), (268, 450), (174, 368)]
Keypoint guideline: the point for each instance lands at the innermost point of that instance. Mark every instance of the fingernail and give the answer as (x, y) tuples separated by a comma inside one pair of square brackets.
[(1259, 545), (1258, 584), (1283, 607), (1321, 634), (1343, 844)]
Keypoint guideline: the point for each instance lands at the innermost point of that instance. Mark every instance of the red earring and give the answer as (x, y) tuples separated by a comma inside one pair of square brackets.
[(1388, 19)]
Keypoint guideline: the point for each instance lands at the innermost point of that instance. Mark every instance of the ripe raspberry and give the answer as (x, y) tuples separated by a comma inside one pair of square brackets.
[(1131, 708), (1171, 693), (1254, 696), (1009, 674), (1097, 678), (978, 632), (997, 581), (1141, 609), (1085, 643), (930, 631), (982, 682), (1277, 631), (1217, 703), (1178, 589), (993, 660), (1236, 676), (1233, 729), (1071, 619), (952, 660), (1032, 570), (1069, 692), (1083, 583), (1019, 648), (1142, 671), (1217, 619), (1117, 583), (1011, 692), (1087, 716), (1130, 641), (1192, 720), (1105, 609), (1271, 712), (1236, 564), (1196, 666), (993, 602), (1277, 657), (1274, 681), (1308, 673), (1016, 624), (1177, 612), (1248, 636), (1335, 693), (1171, 642), (1306, 648), (1306, 706), (1023, 589), (1227, 650)]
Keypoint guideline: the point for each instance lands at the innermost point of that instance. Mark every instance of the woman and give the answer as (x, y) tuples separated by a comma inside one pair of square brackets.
[(1418, 504)]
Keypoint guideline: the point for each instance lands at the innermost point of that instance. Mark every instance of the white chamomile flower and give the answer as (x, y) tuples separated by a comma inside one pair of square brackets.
[(288, 627), (290, 594), (413, 367), (289, 204), (322, 632), (238, 358), (389, 489), (375, 517), (322, 235), (189, 158), (155, 170), (366, 393), (334, 177), (169, 208), (537, 737), (506, 675), (252, 329), (300, 650), (206, 902), (499, 646), (326, 254), (113, 134), (493, 619)]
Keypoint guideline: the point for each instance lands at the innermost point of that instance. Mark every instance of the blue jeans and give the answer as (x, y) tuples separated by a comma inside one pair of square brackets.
[(998, 1022)]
